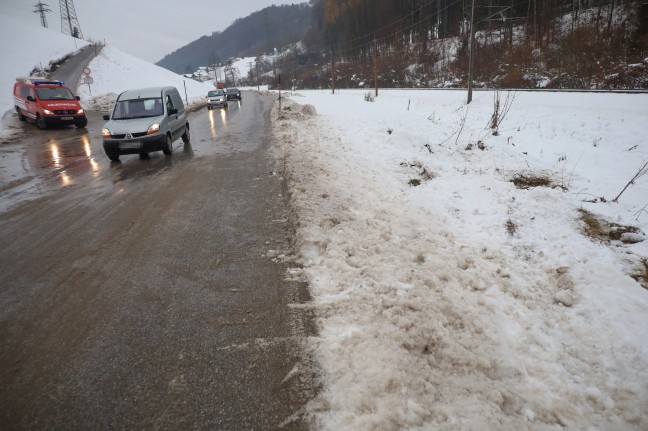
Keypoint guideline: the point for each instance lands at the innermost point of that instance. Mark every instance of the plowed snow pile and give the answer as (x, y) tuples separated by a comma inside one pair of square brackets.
[(448, 298)]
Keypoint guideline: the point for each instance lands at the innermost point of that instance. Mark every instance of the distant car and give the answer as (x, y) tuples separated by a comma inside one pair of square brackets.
[(233, 93), (216, 99), (145, 120)]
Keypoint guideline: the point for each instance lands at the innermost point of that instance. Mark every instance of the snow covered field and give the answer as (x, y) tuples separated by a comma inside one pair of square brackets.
[(466, 302), (448, 298)]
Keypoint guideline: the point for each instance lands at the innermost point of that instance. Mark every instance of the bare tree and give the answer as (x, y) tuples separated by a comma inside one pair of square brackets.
[(643, 170)]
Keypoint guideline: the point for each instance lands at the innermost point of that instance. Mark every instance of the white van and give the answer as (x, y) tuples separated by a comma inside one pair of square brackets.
[(145, 120)]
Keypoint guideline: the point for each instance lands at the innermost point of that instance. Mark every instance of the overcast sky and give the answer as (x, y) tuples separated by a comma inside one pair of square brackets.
[(148, 29)]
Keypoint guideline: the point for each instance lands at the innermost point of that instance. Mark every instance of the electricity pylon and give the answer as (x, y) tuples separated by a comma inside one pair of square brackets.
[(69, 22), (41, 8)]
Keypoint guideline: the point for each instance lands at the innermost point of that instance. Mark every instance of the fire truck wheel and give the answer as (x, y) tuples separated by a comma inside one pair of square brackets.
[(40, 123), (21, 117)]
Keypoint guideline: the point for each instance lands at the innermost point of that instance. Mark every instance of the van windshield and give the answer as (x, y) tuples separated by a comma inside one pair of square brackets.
[(215, 93), (138, 108), (54, 93)]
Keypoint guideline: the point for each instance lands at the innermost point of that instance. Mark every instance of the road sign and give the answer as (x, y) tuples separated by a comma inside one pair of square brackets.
[(87, 71), (87, 79)]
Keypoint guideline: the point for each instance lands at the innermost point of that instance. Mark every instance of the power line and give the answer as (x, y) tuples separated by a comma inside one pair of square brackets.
[(395, 33), (69, 21), (343, 48), (41, 8)]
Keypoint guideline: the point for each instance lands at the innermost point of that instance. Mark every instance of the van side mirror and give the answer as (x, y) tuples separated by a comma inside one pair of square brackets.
[(173, 111), (78, 98), (31, 99), (106, 117)]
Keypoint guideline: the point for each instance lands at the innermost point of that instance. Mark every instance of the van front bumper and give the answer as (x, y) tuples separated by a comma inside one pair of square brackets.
[(144, 144), (217, 103), (65, 120)]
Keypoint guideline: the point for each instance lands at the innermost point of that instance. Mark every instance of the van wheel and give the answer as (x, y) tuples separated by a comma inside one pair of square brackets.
[(81, 124), (40, 123), (186, 137), (21, 117), (168, 147), (113, 157)]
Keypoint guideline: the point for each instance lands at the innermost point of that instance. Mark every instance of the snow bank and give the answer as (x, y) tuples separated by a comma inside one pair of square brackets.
[(465, 302)]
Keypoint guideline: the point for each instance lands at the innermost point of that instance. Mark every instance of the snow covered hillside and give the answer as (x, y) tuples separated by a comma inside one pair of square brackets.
[(115, 71), (447, 296)]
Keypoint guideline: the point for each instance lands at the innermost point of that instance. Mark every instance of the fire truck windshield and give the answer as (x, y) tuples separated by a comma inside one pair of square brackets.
[(54, 93)]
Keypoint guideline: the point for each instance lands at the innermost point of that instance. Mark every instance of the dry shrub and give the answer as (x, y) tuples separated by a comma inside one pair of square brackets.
[(511, 227), (515, 77), (527, 182), (603, 230)]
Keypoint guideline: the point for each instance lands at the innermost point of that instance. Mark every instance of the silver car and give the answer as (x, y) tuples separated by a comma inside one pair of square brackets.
[(216, 99), (145, 120)]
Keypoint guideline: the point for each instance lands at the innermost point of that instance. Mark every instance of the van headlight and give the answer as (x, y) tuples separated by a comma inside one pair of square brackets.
[(47, 112), (81, 111), (105, 133), (153, 128)]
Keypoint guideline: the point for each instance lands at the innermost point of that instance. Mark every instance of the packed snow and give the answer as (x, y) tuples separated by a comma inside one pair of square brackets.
[(446, 297)]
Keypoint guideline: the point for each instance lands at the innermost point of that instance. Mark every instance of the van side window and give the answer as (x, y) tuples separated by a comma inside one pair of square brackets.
[(169, 103), (177, 101), (24, 91), (31, 93)]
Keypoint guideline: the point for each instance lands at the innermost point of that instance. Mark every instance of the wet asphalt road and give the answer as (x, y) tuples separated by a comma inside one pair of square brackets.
[(150, 294)]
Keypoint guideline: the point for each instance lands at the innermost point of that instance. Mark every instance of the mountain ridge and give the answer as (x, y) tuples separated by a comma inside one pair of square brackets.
[(257, 33)]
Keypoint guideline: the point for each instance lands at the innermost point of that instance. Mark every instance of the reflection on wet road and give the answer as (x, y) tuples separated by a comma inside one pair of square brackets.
[(148, 293), (41, 161)]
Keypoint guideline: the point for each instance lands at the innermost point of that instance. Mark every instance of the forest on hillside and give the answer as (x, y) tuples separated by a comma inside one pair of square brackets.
[(260, 32), (518, 44)]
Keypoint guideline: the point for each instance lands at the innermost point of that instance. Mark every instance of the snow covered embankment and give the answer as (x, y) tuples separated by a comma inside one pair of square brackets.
[(431, 315)]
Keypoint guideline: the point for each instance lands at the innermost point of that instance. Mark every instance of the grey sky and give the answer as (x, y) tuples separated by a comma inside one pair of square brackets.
[(148, 29)]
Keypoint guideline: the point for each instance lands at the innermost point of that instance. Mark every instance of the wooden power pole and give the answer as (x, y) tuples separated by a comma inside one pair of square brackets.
[(375, 65), (471, 60), (332, 70)]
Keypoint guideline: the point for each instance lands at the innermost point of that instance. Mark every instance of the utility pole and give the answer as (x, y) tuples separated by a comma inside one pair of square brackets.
[(41, 8), (375, 65), (332, 71), (471, 60), (69, 21)]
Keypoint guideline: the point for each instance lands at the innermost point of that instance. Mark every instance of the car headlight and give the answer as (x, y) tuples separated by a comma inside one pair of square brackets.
[(81, 111), (106, 133), (47, 112), (153, 128)]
